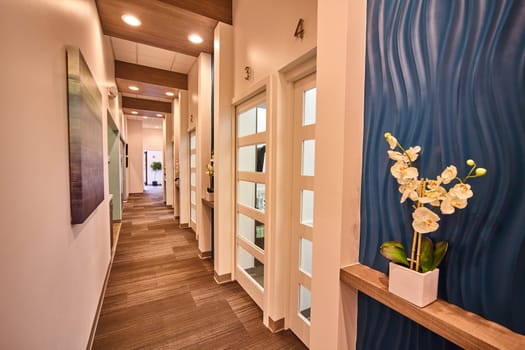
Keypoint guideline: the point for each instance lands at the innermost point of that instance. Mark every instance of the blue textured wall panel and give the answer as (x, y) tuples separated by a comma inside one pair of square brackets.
[(448, 75)]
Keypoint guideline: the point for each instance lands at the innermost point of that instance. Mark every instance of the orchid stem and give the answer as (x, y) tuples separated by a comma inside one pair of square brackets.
[(418, 251)]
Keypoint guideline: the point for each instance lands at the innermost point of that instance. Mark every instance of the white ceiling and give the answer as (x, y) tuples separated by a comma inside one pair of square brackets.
[(145, 55)]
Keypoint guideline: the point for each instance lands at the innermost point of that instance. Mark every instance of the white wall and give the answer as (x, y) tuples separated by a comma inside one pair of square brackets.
[(52, 273), (264, 36), (135, 156), (152, 139)]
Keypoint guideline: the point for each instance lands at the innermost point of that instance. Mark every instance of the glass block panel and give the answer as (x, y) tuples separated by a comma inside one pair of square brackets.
[(193, 195), (252, 158), (304, 303), (253, 267), (307, 208), (193, 161), (309, 106), (193, 181), (306, 256), (308, 157), (193, 141), (251, 230), (251, 194)]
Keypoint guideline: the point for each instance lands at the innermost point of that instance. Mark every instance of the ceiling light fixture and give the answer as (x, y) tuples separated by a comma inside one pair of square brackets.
[(159, 115), (195, 38), (134, 112), (131, 20), (169, 93), (134, 88)]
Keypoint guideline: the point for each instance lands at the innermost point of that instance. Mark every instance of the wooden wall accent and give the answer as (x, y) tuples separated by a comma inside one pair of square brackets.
[(130, 71), (148, 105)]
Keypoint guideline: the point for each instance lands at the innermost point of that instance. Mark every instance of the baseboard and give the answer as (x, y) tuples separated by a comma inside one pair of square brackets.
[(169, 206), (205, 255), (222, 279), (102, 294), (184, 225), (276, 326), (116, 221)]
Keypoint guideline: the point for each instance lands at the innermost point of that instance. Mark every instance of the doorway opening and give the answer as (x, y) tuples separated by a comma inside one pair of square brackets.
[(153, 168)]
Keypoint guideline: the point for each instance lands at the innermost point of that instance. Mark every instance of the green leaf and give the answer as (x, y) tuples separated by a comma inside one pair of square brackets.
[(427, 255), (439, 253), (394, 251)]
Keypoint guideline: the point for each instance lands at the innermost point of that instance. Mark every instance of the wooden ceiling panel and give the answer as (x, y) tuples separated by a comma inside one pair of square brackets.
[(221, 10), (145, 105), (163, 25), (130, 71), (146, 89)]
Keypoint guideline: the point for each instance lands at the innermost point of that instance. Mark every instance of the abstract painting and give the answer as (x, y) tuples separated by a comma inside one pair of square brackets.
[(86, 170)]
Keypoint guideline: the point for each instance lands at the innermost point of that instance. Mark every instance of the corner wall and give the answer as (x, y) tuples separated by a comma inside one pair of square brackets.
[(52, 272)]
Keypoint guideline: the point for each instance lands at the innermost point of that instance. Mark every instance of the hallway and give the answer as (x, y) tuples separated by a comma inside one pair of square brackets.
[(160, 295)]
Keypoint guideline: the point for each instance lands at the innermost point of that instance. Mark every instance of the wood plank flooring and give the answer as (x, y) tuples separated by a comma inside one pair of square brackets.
[(160, 295)]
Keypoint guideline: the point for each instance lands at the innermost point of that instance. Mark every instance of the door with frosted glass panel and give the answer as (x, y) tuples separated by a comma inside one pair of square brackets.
[(251, 180), (193, 181), (302, 207)]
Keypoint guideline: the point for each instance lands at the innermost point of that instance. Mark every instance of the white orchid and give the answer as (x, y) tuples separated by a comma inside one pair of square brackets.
[(427, 192), (425, 220)]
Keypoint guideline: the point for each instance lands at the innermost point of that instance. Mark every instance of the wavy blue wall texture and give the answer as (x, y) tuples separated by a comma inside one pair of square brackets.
[(448, 75)]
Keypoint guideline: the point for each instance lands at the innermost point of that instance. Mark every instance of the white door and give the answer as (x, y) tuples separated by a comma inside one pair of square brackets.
[(302, 206), (251, 180), (193, 181)]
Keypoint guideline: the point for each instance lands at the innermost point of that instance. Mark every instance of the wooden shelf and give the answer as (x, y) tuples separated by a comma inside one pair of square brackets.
[(207, 203), (466, 329)]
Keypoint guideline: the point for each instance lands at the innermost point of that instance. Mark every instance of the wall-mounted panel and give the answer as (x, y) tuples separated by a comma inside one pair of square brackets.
[(449, 76)]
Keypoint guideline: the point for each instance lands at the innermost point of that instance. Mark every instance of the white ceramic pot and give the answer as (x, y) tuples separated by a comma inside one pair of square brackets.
[(209, 196), (418, 288)]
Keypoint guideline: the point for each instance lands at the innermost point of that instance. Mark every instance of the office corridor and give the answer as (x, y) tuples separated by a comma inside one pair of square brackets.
[(160, 295)]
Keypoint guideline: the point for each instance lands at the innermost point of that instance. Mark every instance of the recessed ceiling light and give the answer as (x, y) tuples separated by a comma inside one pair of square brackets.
[(169, 93), (159, 115), (195, 38), (134, 112), (131, 20), (134, 88)]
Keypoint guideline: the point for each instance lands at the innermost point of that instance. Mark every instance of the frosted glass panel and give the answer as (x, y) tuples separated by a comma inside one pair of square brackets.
[(192, 161), (307, 207), (253, 267), (309, 106), (308, 158), (252, 158), (193, 141), (252, 121), (192, 195), (306, 256), (251, 194), (193, 181), (193, 215), (304, 302), (250, 229)]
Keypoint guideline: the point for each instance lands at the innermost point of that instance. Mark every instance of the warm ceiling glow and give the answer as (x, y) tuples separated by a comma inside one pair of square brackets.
[(169, 93), (131, 20), (134, 88), (134, 112), (195, 38), (159, 115)]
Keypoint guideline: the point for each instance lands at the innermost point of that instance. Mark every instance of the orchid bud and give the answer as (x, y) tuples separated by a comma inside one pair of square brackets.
[(470, 162), (481, 171), (387, 135)]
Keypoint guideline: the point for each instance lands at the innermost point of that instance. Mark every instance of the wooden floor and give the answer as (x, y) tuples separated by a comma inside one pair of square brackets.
[(160, 295)]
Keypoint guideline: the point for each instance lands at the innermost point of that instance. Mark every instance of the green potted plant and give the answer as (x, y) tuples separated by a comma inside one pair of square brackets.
[(446, 193), (156, 167)]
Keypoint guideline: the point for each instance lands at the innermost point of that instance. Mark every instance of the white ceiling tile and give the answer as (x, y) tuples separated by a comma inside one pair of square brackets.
[(124, 50), (182, 63), (155, 57)]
